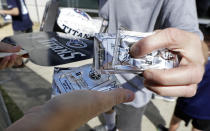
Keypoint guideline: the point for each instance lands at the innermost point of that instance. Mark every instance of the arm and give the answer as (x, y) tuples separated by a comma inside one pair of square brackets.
[(13, 12), (70, 111)]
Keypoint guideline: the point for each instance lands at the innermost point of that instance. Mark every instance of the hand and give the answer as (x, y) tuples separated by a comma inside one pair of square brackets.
[(2, 12), (12, 60), (180, 81), (70, 111)]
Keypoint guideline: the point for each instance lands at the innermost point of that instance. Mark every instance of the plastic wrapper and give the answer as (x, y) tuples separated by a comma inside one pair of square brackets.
[(82, 78), (112, 54), (78, 23)]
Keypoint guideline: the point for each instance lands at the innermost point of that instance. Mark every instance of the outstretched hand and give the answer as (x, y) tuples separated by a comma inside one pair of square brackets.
[(69, 111), (179, 81)]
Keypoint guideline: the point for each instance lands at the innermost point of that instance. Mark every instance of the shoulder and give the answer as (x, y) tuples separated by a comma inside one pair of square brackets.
[(179, 4)]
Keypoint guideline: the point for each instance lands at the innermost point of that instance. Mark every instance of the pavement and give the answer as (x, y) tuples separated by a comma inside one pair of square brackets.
[(4, 119)]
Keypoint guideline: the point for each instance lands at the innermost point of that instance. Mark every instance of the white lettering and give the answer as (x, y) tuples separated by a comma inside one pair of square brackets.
[(71, 56), (63, 52)]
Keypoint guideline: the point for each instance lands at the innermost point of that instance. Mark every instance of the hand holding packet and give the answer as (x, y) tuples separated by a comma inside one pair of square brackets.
[(112, 54)]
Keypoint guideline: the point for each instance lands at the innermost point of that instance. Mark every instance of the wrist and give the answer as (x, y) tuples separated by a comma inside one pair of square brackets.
[(2, 12)]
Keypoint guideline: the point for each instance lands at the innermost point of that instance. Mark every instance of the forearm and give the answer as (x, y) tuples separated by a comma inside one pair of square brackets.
[(45, 119), (13, 12), (54, 118), (31, 121)]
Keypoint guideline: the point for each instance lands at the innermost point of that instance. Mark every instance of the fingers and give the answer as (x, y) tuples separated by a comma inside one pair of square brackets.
[(10, 61), (182, 75), (4, 62), (176, 81), (9, 48), (18, 61), (118, 96), (177, 91), (169, 38)]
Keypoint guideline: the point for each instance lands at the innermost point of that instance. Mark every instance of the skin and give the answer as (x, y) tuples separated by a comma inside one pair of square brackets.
[(12, 60), (175, 122), (179, 81), (68, 112), (13, 12)]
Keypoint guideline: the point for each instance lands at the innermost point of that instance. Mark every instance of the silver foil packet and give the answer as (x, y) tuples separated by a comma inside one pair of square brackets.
[(112, 54), (82, 78)]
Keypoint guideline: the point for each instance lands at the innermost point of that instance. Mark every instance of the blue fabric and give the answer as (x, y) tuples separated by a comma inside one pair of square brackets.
[(22, 21), (199, 105)]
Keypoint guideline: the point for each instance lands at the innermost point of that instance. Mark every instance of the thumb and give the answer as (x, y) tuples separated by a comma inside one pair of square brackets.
[(114, 97), (120, 95), (9, 48)]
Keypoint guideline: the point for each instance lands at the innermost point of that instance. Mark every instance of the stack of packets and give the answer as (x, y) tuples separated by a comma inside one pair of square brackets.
[(81, 78)]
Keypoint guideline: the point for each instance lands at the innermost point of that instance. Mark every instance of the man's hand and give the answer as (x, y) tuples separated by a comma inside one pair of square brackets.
[(179, 81), (12, 60), (70, 111)]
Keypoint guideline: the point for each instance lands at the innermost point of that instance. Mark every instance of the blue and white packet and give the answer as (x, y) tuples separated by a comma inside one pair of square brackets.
[(81, 78)]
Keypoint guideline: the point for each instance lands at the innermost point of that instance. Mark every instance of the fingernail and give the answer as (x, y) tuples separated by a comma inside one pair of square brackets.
[(129, 97)]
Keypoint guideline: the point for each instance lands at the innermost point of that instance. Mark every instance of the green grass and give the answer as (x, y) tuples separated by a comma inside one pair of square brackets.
[(14, 111)]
